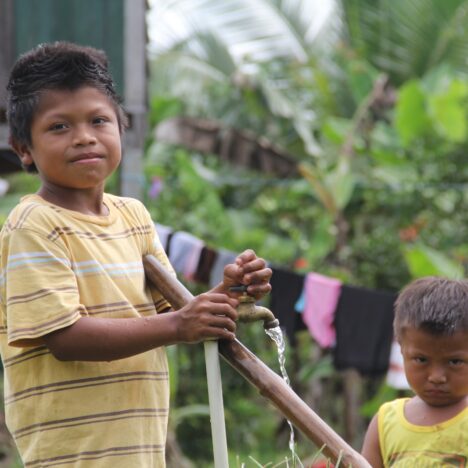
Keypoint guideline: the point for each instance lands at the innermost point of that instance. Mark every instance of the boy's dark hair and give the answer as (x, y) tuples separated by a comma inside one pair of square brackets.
[(55, 66), (433, 304)]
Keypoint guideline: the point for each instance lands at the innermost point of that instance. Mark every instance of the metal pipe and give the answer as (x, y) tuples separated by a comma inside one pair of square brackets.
[(249, 312), (269, 384)]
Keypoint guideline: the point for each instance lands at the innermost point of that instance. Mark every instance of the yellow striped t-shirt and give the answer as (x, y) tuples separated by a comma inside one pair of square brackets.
[(56, 266)]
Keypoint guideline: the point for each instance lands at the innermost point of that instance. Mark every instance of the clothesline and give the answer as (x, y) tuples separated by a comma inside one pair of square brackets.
[(354, 323), (395, 186)]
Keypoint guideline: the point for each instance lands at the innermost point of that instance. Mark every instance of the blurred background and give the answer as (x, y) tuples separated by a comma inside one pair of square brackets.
[(329, 136)]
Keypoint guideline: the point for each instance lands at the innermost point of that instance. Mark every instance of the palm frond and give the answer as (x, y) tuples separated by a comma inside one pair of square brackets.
[(255, 30), (185, 75), (405, 38)]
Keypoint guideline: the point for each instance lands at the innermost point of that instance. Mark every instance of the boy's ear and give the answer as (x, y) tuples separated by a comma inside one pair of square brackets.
[(23, 151)]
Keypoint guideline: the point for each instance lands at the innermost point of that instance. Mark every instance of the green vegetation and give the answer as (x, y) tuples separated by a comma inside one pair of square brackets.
[(371, 109)]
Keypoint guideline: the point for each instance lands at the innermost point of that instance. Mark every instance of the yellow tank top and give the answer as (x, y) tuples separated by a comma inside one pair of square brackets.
[(406, 445)]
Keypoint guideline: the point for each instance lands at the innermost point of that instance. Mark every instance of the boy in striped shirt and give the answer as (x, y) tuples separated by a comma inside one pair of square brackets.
[(82, 333)]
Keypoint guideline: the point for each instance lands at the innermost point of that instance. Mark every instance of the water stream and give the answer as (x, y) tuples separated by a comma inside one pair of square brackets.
[(277, 336)]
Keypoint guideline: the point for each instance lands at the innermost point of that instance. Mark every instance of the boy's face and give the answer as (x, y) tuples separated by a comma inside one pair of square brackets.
[(436, 366), (75, 140)]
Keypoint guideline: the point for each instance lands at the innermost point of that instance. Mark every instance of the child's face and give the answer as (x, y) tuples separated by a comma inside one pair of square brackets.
[(75, 139), (436, 366)]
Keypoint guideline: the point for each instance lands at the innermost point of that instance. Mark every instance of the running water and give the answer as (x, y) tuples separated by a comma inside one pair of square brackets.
[(277, 336)]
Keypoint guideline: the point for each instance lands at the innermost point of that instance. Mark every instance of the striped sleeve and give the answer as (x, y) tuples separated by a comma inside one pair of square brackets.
[(41, 294)]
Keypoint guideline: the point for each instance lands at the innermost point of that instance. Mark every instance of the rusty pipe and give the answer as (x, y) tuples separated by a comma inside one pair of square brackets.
[(269, 384)]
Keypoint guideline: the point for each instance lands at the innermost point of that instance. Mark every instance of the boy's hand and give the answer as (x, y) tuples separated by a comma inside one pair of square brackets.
[(248, 270), (209, 315)]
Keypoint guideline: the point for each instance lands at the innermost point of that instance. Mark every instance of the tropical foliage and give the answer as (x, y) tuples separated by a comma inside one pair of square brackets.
[(369, 101)]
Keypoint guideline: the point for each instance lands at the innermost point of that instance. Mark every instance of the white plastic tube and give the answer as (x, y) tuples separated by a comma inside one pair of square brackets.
[(215, 397), (178, 295)]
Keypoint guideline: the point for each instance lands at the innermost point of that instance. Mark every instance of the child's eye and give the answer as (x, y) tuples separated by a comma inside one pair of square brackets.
[(456, 362), (420, 359), (57, 127), (99, 120)]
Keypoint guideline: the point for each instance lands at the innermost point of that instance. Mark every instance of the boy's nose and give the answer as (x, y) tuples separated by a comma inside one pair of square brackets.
[(82, 136), (437, 375)]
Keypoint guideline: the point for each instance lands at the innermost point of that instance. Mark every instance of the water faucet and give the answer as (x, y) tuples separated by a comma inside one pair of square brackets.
[(249, 312)]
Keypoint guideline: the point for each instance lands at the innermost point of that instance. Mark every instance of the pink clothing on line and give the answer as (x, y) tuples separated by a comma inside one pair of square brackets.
[(321, 298)]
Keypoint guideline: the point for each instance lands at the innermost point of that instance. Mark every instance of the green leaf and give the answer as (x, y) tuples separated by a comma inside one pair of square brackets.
[(385, 136), (163, 108), (341, 183), (448, 111), (179, 414), (335, 129), (384, 393), (425, 261), (281, 105), (305, 130), (411, 119), (361, 79), (322, 239)]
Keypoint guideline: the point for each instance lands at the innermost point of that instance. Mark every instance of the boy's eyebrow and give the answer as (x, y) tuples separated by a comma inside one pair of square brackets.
[(64, 114)]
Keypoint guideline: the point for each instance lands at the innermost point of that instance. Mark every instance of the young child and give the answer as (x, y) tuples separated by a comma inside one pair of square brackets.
[(83, 335), (431, 428)]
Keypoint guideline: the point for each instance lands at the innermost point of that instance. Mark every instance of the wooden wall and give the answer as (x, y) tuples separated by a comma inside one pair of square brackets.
[(89, 22)]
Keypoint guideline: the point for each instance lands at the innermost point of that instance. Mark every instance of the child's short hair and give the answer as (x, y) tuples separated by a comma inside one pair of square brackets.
[(55, 66), (433, 304)]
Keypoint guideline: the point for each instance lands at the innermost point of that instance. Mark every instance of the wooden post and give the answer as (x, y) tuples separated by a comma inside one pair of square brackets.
[(7, 57), (269, 384), (352, 386), (135, 98)]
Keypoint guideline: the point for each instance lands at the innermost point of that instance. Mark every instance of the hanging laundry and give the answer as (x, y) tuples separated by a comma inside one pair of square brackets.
[(363, 317), (205, 265), (300, 303), (321, 298), (396, 377), (286, 287), (164, 233), (223, 258), (364, 330), (184, 253)]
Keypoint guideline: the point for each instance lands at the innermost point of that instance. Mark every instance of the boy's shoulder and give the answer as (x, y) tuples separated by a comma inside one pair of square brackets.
[(130, 208), (392, 411), (36, 214), (124, 203), (32, 212), (393, 405)]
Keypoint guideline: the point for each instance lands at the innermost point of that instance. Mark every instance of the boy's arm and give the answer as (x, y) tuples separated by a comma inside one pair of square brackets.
[(371, 447), (207, 316), (210, 315)]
